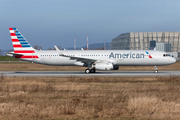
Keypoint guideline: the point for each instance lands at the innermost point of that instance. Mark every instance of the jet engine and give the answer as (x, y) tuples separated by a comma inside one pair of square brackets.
[(103, 66)]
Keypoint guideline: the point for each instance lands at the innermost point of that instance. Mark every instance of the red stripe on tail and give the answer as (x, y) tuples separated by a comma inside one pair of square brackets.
[(15, 40), (24, 51), (13, 34), (17, 46)]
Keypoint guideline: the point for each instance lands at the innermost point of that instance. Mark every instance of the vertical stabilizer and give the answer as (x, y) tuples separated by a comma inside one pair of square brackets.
[(22, 49)]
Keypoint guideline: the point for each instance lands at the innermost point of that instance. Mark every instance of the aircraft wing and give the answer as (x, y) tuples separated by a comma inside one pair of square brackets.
[(84, 60)]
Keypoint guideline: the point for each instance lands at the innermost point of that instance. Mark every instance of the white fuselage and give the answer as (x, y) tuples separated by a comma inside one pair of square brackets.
[(117, 57)]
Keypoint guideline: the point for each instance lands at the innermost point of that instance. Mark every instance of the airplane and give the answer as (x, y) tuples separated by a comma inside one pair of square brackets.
[(92, 59)]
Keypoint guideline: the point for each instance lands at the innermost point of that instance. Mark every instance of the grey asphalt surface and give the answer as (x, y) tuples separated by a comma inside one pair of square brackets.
[(83, 74)]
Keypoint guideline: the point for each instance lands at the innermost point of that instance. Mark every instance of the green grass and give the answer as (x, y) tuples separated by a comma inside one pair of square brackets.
[(7, 58)]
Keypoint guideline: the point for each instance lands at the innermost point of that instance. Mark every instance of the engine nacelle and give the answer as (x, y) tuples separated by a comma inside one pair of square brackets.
[(103, 66)]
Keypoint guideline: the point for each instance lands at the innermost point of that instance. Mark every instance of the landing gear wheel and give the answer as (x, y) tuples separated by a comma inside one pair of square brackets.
[(87, 71), (93, 70), (156, 70)]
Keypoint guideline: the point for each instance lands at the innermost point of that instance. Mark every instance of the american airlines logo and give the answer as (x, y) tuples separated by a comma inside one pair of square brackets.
[(148, 55), (128, 55)]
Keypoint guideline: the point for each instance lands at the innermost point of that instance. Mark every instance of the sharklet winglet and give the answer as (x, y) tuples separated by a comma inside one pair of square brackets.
[(57, 49)]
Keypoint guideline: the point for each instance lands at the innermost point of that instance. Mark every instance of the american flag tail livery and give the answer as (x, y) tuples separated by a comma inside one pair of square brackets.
[(22, 49)]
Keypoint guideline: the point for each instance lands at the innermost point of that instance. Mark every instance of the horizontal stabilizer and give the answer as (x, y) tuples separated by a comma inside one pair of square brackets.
[(12, 54)]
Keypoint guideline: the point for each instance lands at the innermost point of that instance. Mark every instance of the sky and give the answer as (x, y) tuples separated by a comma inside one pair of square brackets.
[(55, 22)]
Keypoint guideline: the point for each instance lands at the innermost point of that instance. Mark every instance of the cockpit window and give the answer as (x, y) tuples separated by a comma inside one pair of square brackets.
[(165, 55)]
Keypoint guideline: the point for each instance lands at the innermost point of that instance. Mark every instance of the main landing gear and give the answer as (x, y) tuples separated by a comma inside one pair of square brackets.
[(156, 70), (93, 70)]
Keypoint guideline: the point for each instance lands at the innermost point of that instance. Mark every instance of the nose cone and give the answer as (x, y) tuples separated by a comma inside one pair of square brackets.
[(172, 60)]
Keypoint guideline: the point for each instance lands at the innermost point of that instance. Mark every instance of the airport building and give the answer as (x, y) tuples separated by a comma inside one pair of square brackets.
[(163, 47), (141, 41)]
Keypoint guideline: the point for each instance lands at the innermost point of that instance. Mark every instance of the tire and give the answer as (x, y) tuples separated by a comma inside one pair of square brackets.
[(87, 71), (92, 70)]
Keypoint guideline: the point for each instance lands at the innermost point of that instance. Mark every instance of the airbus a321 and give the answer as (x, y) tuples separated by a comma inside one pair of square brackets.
[(92, 59)]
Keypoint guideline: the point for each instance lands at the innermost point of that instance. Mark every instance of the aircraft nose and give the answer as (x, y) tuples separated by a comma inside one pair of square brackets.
[(173, 60)]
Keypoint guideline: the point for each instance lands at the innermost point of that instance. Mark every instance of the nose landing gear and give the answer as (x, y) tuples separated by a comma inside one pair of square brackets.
[(156, 70)]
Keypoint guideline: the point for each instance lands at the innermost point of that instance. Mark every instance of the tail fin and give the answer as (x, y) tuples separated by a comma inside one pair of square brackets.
[(22, 49), (20, 44)]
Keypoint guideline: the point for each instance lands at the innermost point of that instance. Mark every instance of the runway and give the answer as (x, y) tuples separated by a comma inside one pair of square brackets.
[(82, 74)]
